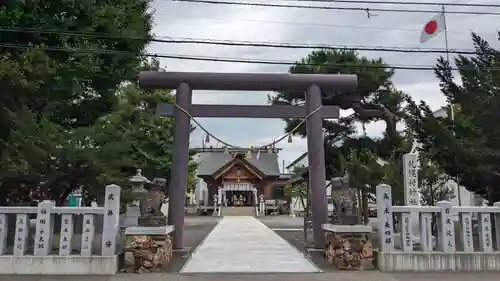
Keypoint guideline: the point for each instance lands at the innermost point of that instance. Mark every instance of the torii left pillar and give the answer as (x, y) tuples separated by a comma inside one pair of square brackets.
[(177, 187)]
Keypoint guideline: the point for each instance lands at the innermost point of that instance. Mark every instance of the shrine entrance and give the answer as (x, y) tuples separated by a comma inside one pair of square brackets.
[(183, 110)]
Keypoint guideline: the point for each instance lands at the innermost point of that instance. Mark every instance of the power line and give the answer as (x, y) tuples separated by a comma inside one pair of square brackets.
[(83, 51), (400, 3), (298, 23), (207, 41), (363, 9)]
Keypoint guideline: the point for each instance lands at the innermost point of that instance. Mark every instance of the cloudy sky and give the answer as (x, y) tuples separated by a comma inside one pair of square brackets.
[(306, 26)]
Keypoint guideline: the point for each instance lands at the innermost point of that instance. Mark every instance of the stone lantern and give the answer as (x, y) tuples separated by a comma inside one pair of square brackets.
[(133, 211), (138, 181)]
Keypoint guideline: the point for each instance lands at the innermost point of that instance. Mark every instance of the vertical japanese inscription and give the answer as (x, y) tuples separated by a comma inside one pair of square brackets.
[(111, 220), (66, 235), (485, 232), (43, 229), (87, 235), (447, 235), (3, 233), (406, 235), (384, 216), (21, 234), (467, 241), (410, 171), (426, 243)]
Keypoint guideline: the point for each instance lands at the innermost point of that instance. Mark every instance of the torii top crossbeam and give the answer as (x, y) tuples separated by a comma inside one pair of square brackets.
[(247, 81)]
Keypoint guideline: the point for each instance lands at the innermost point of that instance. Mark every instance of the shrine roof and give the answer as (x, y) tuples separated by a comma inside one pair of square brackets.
[(211, 162)]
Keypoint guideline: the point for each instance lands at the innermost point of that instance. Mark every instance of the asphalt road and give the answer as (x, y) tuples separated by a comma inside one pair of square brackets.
[(330, 276)]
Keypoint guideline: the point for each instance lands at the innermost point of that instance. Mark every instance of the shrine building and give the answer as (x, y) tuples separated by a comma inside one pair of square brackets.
[(237, 178)]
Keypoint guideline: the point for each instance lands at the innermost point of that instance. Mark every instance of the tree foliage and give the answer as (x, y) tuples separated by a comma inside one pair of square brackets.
[(376, 99), (40, 73), (368, 161), (467, 147), (71, 113)]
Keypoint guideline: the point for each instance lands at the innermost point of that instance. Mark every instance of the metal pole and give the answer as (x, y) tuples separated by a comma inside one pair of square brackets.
[(445, 34), (452, 110), (316, 159), (180, 159)]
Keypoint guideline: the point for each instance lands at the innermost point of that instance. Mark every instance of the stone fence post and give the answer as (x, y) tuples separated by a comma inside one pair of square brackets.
[(384, 218), (111, 220)]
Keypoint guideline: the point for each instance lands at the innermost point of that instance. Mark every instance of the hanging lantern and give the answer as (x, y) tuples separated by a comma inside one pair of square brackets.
[(207, 138), (290, 138)]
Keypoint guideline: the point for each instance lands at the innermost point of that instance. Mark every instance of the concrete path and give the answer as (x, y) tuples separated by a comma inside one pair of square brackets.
[(245, 245)]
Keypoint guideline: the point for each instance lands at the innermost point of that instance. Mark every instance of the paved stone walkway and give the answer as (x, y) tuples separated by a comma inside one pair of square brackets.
[(245, 245)]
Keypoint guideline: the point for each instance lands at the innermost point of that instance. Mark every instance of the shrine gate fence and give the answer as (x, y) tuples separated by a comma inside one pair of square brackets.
[(461, 245), (14, 257)]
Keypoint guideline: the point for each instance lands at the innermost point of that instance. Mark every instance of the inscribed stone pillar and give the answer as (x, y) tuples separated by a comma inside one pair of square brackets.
[(3, 233), (21, 234), (65, 246), (111, 220), (426, 242), (87, 235), (384, 218), (466, 229), (411, 188), (43, 245), (485, 237), (410, 174), (447, 230)]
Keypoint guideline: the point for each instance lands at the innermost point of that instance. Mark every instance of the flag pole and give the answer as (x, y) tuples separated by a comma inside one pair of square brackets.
[(452, 109), (445, 34)]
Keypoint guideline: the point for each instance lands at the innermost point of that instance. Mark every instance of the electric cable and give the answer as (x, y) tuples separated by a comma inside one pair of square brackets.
[(83, 51), (361, 9), (297, 23), (469, 5), (235, 43)]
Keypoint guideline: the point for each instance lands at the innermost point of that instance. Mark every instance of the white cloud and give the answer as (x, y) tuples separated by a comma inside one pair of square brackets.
[(223, 22)]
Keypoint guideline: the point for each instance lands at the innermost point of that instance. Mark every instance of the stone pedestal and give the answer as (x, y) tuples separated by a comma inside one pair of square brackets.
[(348, 247), (152, 221), (147, 249)]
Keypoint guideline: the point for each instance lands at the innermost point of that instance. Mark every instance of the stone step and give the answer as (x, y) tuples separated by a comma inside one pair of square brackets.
[(238, 211)]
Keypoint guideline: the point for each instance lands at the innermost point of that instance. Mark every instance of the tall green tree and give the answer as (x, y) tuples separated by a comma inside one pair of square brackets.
[(59, 73), (39, 71), (468, 147), (143, 138), (375, 99)]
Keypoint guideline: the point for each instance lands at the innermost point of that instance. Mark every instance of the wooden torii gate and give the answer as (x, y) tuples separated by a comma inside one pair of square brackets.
[(186, 82)]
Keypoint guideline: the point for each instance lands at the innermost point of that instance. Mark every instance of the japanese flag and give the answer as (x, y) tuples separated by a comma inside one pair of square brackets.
[(433, 27)]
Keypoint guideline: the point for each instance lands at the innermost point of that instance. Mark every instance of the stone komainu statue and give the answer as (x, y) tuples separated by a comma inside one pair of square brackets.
[(152, 201)]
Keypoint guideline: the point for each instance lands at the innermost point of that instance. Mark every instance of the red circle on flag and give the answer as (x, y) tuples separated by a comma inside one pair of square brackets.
[(431, 27)]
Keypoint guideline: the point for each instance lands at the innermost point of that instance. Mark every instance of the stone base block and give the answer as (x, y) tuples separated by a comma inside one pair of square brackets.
[(59, 265), (438, 261), (147, 253), (349, 251)]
